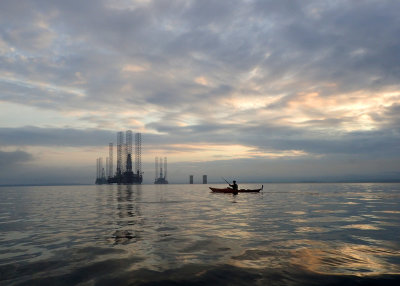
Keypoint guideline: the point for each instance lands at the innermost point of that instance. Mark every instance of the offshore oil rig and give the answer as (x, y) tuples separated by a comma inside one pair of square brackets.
[(161, 178), (124, 173)]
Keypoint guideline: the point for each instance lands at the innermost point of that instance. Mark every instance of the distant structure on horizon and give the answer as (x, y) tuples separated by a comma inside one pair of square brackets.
[(100, 174), (161, 177), (191, 179), (124, 173)]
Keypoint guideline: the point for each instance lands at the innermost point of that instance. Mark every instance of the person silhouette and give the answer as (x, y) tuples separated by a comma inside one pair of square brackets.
[(234, 187)]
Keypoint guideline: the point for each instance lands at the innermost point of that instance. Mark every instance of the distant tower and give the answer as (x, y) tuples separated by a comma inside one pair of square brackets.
[(156, 167), (204, 179), (191, 179), (97, 168), (161, 167), (107, 167), (101, 168), (128, 144), (128, 151), (161, 175), (103, 175), (110, 160), (138, 153), (120, 142), (100, 176), (165, 167)]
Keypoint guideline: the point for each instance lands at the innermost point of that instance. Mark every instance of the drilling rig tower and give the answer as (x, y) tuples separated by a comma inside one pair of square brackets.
[(161, 177)]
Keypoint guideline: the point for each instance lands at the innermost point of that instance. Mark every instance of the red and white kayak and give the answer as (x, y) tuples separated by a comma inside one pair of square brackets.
[(230, 190)]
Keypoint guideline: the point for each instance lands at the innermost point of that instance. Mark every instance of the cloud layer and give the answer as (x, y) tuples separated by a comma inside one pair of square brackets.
[(234, 80)]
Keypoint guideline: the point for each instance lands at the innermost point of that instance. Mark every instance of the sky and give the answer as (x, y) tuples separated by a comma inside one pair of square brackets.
[(252, 90)]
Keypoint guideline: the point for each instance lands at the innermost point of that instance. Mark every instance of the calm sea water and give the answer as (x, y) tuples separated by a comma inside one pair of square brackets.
[(290, 234)]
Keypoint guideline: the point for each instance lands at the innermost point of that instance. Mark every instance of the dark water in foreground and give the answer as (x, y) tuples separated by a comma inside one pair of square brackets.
[(291, 234)]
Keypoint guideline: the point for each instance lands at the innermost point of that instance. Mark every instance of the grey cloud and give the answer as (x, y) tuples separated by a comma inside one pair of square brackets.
[(382, 142), (8, 159), (32, 94), (262, 137), (390, 118), (368, 145), (325, 48), (269, 137), (270, 8), (347, 43), (34, 136), (11, 164), (39, 175)]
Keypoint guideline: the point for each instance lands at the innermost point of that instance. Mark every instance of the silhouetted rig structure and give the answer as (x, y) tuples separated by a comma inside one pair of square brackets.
[(161, 178), (124, 173)]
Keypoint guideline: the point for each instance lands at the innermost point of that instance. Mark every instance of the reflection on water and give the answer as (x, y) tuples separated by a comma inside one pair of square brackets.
[(346, 259), (291, 234), (362, 226), (129, 221)]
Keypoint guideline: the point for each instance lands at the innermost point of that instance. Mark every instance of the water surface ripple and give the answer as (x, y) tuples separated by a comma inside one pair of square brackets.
[(290, 234)]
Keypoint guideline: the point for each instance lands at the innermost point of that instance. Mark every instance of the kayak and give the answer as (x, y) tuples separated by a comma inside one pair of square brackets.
[(230, 190)]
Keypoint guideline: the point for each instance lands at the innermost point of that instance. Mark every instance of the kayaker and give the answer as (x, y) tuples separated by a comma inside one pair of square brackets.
[(234, 187)]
